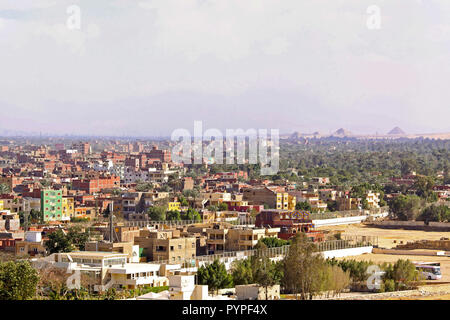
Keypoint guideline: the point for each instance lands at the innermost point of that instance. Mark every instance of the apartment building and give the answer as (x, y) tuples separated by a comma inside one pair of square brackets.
[(85, 212), (247, 238), (95, 185), (162, 155), (216, 198), (122, 233), (129, 203), (216, 239), (174, 206), (51, 205), (317, 205), (220, 238), (131, 250), (273, 197), (373, 199), (166, 245), (83, 148), (348, 203), (106, 270), (68, 208), (32, 245)]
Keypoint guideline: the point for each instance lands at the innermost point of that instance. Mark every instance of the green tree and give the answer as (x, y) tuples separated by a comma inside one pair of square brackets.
[(213, 208), (18, 280), (404, 274), (223, 207), (264, 272), (424, 188), (78, 237), (272, 242), (435, 213), (192, 214), (173, 215), (242, 272), (408, 165), (144, 187), (356, 269), (406, 207), (184, 202), (157, 213), (302, 268), (58, 242), (215, 276), (332, 205), (303, 206), (446, 173)]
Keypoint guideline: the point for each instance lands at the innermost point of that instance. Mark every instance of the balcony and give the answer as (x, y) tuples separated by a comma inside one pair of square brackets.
[(215, 241), (141, 281), (247, 242)]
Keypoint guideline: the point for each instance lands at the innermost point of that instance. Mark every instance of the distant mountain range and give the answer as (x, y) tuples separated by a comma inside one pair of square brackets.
[(395, 133)]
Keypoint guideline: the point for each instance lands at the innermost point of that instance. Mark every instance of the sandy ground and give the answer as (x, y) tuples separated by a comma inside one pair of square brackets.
[(436, 297), (379, 258), (386, 237)]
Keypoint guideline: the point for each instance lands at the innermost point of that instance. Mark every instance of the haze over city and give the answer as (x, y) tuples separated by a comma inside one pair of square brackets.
[(227, 152), (145, 68)]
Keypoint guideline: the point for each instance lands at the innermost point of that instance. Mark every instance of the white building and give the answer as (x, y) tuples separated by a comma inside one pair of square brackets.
[(106, 269)]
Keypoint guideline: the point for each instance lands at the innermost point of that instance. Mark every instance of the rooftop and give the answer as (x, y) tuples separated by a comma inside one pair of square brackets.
[(95, 254)]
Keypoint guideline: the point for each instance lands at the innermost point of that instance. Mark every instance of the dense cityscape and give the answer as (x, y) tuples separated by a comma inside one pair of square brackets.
[(118, 219), (196, 159)]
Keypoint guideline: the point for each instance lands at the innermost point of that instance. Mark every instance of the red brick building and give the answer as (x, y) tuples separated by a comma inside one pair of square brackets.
[(162, 155), (97, 184)]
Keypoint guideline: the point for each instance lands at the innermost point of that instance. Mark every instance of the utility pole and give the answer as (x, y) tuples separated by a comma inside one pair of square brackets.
[(111, 225)]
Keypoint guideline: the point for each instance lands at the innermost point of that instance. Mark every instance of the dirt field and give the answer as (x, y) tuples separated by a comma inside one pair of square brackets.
[(386, 237), (379, 258)]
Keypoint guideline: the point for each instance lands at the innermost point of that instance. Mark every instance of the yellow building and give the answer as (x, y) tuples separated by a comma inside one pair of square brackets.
[(85, 212), (285, 201), (68, 208), (174, 206), (292, 201), (1, 205), (273, 197)]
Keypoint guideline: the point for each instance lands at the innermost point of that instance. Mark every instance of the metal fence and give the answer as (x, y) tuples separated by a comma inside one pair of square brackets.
[(146, 223), (347, 213), (346, 243)]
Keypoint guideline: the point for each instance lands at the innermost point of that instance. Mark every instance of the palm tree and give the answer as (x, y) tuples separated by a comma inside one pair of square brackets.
[(4, 188)]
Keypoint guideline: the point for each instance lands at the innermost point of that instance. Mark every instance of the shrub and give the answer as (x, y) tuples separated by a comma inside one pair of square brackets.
[(389, 285)]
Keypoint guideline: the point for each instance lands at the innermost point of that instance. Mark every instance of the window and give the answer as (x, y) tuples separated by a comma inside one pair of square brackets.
[(171, 248)]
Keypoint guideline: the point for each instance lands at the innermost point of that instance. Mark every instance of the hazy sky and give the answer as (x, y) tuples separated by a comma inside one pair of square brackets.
[(149, 67)]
